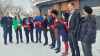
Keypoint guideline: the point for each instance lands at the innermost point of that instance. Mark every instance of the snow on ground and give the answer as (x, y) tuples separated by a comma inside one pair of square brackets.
[(33, 49)]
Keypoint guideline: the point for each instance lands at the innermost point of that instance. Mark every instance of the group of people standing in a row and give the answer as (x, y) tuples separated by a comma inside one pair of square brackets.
[(72, 27)]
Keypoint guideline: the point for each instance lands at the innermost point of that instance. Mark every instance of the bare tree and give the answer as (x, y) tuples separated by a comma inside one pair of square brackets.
[(7, 7), (4, 7)]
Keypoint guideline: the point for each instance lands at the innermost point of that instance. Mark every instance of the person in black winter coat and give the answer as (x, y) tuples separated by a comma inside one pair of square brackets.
[(88, 31), (7, 28)]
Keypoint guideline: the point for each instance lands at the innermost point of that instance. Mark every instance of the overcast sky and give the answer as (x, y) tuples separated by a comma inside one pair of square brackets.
[(20, 3)]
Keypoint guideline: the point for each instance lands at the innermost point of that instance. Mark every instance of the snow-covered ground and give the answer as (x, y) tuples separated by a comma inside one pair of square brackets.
[(33, 49)]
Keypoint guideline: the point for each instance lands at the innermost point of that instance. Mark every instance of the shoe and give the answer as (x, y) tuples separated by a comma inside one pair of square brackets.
[(45, 44), (64, 54), (11, 41), (17, 42), (22, 41), (52, 47), (32, 41), (40, 41), (36, 41), (5, 43), (27, 42), (57, 51)]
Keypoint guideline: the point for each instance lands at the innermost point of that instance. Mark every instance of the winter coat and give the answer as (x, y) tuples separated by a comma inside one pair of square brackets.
[(28, 23), (39, 22), (88, 29), (6, 22), (17, 23)]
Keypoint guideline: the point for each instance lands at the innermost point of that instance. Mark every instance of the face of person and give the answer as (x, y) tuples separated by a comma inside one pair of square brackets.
[(71, 7), (53, 15), (67, 11), (49, 11)]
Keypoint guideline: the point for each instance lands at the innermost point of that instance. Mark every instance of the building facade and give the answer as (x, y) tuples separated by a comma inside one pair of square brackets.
[(56, 4)]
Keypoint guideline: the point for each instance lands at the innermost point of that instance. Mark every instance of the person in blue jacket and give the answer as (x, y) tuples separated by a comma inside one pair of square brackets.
[(39, 27)]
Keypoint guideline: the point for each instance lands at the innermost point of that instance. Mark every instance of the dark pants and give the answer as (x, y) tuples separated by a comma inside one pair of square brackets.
[(45, 36), (53, 38), (87, 49), (6, 32), (27, 33), (73, 44), (57, 36), (19, 33), (64, 35), (38, 35), (58, 43)]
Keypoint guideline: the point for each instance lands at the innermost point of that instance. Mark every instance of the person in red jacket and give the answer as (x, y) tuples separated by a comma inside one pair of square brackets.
[(55, 30), (51, 26), (63, 31), (59, 27), (28, 28)]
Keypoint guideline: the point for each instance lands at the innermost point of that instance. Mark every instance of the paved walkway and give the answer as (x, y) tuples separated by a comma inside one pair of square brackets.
[(33, 49)]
